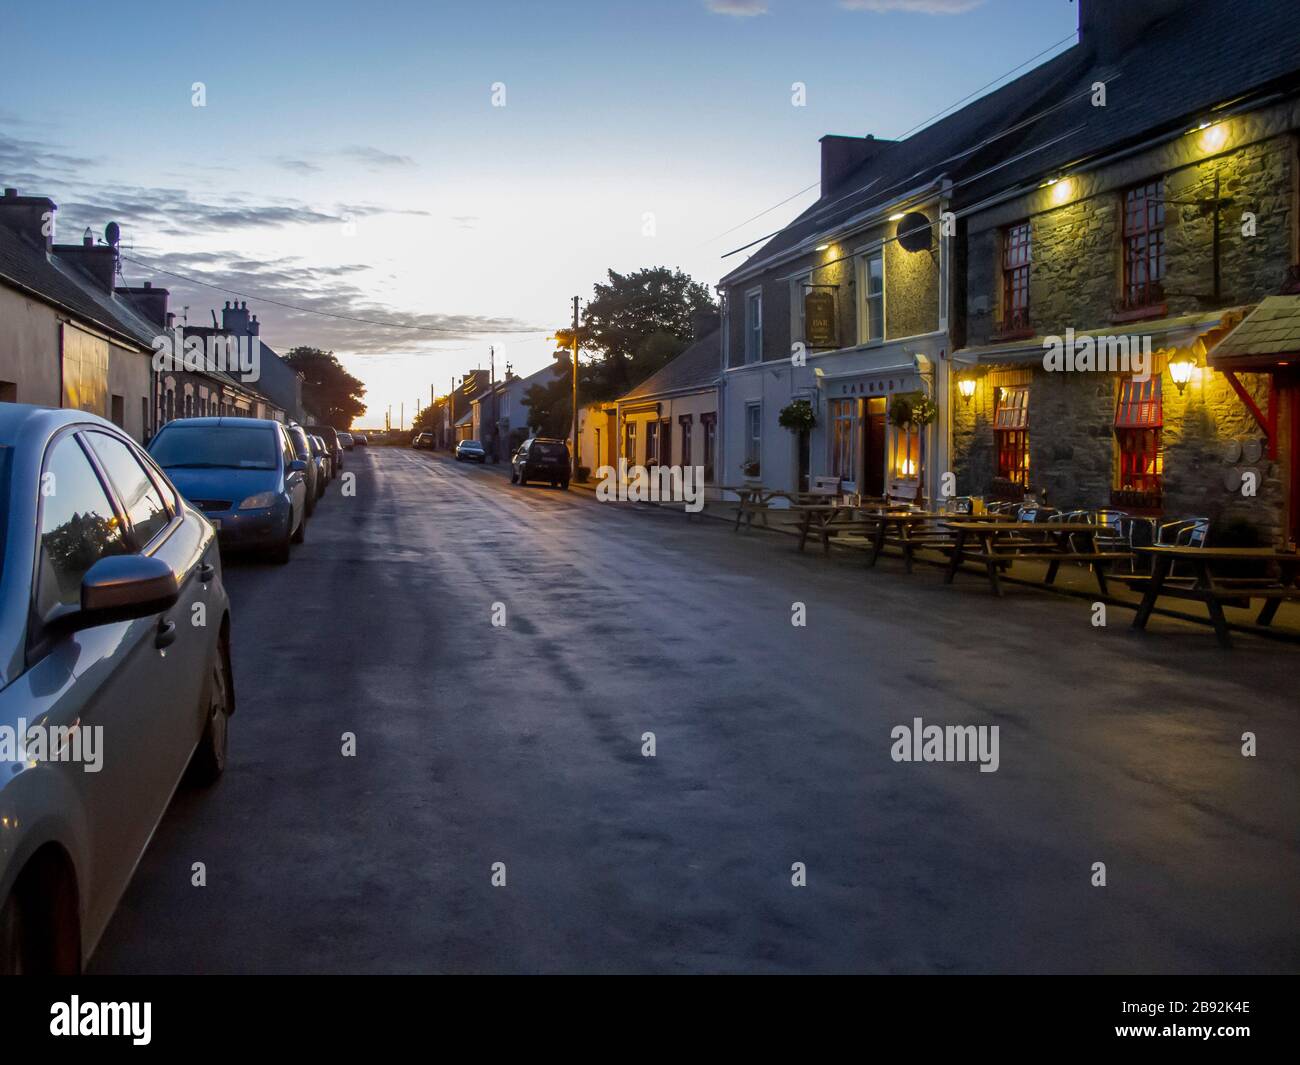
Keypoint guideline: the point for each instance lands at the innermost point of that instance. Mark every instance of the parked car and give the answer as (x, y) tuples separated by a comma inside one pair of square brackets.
[(103, 567), (322, 456), (541, 458), (311, 470), (470, 449), (331, 437), (422, 440), (360, 439), (346, 440), (243, 474)]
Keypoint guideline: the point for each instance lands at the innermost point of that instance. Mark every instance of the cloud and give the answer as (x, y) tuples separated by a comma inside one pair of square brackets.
[(376, 158), (297, 166), (335, 290), (743, 8), (919, 7), (465, 221)]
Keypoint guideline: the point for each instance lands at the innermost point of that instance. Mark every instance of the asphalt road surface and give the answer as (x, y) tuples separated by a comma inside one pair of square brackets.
[(522, 744)]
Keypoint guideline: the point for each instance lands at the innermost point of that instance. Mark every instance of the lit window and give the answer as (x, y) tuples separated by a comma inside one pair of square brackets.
[(1139, 427), (1011, 433)]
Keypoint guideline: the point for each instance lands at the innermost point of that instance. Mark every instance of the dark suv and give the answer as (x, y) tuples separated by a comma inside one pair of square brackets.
[(331, 437), (541, 459)]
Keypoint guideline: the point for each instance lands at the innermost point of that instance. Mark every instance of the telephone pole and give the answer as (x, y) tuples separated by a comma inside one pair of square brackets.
[(574, 471)]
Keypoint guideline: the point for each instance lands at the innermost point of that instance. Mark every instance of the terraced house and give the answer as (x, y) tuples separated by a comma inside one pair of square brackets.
[(1157, 222), (1135, 193)]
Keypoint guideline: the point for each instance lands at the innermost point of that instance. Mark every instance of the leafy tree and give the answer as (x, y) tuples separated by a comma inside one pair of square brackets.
[(550, 405), (328, 390), (637, 323)]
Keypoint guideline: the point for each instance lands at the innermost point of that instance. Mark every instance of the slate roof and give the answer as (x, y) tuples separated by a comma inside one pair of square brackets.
[(1271, 329), (697, 367), (1211, 52), (65, 286)]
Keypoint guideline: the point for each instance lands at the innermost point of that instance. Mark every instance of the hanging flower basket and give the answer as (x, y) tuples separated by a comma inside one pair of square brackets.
[(912, 411), (798, 417), (750, 468)]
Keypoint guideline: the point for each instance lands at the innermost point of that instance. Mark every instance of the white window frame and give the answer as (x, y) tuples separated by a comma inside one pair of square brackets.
[(754, 439), (754, 346), (861, 259)]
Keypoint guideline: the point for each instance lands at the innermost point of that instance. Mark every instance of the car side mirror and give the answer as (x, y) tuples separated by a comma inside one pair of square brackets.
[(123, 588), (297, 466)]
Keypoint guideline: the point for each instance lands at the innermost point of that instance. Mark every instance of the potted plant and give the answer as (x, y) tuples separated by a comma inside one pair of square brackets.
[(750, 469), (798, 417)]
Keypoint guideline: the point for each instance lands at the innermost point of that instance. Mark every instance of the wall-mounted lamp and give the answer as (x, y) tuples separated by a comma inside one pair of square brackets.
[(1211, 136), (821, 247), (1062, 189), (1180, 369), (966, 386)]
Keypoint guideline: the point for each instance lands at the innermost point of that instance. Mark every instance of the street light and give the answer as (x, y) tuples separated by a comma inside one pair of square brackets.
[(1180, 369)]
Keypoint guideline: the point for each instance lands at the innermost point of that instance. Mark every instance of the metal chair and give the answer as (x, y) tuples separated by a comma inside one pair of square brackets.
[(1183, 532)]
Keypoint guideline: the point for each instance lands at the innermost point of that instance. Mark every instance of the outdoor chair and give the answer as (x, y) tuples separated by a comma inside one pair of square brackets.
[(1183, 532)]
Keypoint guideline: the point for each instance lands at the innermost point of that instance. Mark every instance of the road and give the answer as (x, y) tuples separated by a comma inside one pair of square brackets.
[(522, 744)]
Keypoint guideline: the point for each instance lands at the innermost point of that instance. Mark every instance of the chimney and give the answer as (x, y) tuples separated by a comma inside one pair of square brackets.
[(254, 327), (704, 322), (843, 155), (234, 318), (1111, 27), (96, 262), (30, 217), (149, 302)]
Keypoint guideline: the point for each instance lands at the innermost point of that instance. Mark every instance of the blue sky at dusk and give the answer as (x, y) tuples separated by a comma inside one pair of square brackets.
[(349, 157)]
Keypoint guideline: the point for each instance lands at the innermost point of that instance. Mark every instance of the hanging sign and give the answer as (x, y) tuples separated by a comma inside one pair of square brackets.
[(819, 319)]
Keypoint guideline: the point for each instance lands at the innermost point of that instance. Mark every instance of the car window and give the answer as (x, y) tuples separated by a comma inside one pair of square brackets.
[(549, 451), (210, 446), (287, 448), (138, 495), (78, 527)]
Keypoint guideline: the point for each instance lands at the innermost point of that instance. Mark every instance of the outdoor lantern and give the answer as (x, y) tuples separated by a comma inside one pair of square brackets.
[(966, 386), (1180, 369)]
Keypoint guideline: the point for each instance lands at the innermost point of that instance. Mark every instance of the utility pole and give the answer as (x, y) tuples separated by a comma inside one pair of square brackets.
[(492, 391), (574, 471), (403, 410)]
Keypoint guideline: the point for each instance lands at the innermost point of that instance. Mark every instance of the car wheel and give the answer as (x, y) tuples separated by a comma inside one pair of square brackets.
[(280, 553), (300, 534), (209, 760), (40, 933)]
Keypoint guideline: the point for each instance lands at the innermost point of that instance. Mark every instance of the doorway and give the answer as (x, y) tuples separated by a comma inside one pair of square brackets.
[(872, 482)]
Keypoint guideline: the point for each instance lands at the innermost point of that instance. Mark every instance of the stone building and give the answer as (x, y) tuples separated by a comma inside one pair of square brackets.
[(1154, 221)]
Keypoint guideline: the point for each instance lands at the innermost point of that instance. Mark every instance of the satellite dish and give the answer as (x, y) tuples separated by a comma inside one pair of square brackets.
[(914, 232), (112, 234)]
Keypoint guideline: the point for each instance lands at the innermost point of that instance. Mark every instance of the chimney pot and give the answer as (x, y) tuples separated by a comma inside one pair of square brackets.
[(10, 193)]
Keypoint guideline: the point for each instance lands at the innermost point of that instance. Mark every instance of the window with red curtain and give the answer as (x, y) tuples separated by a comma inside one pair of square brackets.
[(1011, 432), (1144, 244), (1139, 423), (1016, 254)]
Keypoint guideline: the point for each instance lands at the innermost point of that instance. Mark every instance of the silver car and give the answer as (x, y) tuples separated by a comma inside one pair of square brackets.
[(114, 674)]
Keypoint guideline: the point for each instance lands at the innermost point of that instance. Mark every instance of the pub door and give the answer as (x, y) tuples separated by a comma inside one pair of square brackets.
[(872, 482)]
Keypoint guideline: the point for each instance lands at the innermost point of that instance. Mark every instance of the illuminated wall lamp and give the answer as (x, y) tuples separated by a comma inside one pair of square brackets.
[(966, 386), (1180, 369)]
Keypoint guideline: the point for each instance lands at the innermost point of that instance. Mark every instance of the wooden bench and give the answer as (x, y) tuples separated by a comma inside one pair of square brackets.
[(1217, 592), (1004, 543)]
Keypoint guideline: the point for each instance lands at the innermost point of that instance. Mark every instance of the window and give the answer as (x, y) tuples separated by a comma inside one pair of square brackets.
[(78, 527), (1011, 433), (666, 442), (8, 392), (685, 422), (169, 407), (709, 422), (753, 432), (651, 443), (117, 408), (754, 327), (1139, 426), (140, 498), (629, 442), (1144, 244), (871, 285), (842, 419), (1016, 255)]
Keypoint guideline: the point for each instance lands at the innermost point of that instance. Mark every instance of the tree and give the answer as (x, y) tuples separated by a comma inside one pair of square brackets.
[(550, 405), (328, 391), (638, 323)]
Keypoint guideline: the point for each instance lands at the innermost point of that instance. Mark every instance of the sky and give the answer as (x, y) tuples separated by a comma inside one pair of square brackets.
[(458, 172)]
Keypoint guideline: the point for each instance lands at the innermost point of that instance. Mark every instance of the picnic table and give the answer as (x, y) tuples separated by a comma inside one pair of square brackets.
[(1004, 542), (913, 529), (827, 520), (1216, 592), (754, 499)]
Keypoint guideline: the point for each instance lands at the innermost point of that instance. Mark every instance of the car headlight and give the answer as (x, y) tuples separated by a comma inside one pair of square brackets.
[(259, 501)]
